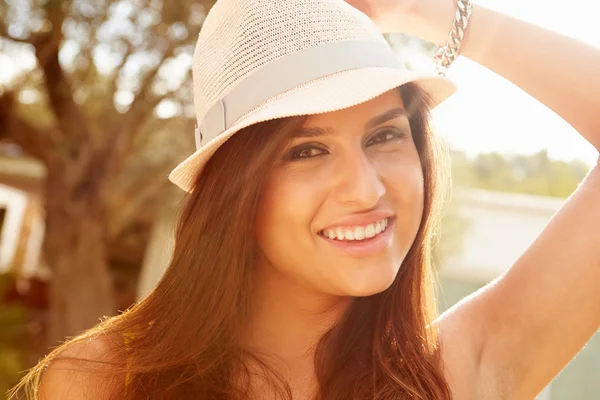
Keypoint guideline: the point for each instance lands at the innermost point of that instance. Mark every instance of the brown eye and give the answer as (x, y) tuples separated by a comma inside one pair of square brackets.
[(385, 136), (305, 152)]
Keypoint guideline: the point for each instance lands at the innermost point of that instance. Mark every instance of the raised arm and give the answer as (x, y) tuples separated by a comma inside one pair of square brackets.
[(534, 319), (516, 334)]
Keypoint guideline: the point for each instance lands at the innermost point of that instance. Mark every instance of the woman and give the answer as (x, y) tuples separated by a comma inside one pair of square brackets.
[(301, 265)]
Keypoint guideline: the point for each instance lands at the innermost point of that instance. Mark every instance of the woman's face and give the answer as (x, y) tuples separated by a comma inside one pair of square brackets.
[(342, 206)]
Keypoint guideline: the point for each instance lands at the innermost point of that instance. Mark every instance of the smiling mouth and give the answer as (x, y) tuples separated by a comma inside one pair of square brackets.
[(356, 233)]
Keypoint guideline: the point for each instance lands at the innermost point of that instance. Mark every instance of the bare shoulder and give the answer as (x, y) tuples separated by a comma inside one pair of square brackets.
[(81, 371)]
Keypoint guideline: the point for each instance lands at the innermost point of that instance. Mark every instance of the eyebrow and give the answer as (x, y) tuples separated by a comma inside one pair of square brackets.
[(372, 123), (385, 117)]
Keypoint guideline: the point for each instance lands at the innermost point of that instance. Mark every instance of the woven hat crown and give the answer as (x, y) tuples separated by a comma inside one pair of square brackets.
[(242, 36), (257, 60)]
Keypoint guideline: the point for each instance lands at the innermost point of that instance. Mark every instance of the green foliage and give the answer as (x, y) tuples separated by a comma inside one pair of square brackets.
[(534, 174)]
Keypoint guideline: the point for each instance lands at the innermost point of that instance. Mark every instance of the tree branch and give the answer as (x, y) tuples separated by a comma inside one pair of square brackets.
[(128, 127), (110, 107), (94, 23), (68, 114), (30, 139), (137, 104)]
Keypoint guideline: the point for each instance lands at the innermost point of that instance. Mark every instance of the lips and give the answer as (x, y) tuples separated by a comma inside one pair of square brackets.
[(356, 232), (365, 247)]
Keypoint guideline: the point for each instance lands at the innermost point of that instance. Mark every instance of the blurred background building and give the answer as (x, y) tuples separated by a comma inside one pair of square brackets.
[(21, 216)]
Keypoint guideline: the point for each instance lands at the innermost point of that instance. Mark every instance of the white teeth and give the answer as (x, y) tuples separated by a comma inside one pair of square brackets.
[(358, 232), (370, 231), (377, 227)]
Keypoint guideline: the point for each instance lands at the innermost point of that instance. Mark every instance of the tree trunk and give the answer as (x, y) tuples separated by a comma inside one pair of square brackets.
[(81, 289)]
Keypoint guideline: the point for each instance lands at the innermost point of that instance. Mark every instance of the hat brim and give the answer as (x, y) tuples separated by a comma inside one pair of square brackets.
[(330, 93)]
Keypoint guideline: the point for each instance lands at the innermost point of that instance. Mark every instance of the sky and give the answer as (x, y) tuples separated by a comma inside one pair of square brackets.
[(489, 113)]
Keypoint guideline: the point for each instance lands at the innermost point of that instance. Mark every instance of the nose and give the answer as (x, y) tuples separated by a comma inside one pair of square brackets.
[(359, 183)]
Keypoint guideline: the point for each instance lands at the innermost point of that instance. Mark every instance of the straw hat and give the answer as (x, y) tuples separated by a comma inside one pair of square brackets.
[(258, 60)]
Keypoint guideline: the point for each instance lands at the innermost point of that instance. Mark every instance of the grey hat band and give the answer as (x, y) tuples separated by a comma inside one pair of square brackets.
[(288, 72)]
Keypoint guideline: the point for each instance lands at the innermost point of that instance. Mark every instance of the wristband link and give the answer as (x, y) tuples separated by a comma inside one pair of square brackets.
[(446, 55)]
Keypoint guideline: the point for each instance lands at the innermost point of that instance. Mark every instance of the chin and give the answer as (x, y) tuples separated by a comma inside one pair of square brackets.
[(374, 283)]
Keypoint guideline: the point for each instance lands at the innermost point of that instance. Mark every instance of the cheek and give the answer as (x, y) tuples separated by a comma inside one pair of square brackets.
[(403, 179), (406, 185), (286, 207), (287, 246)]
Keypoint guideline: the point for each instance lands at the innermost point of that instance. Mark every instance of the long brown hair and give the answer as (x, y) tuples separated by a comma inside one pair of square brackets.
[(183, 339)]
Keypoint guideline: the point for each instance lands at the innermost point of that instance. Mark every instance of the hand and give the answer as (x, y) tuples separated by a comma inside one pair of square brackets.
[(425, 19), (387, 14)]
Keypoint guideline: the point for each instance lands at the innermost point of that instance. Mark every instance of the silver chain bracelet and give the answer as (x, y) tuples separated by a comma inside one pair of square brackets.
[(446, 55)]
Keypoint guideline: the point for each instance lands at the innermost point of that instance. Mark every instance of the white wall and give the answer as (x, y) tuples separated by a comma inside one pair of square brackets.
[(501, 226), (15, 203)]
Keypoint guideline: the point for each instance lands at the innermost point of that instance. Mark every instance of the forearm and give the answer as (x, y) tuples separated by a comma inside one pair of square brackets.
[(560, 72)]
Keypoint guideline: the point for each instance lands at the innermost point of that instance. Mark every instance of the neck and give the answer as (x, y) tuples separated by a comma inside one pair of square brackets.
[(287, 319), (286, 322)]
